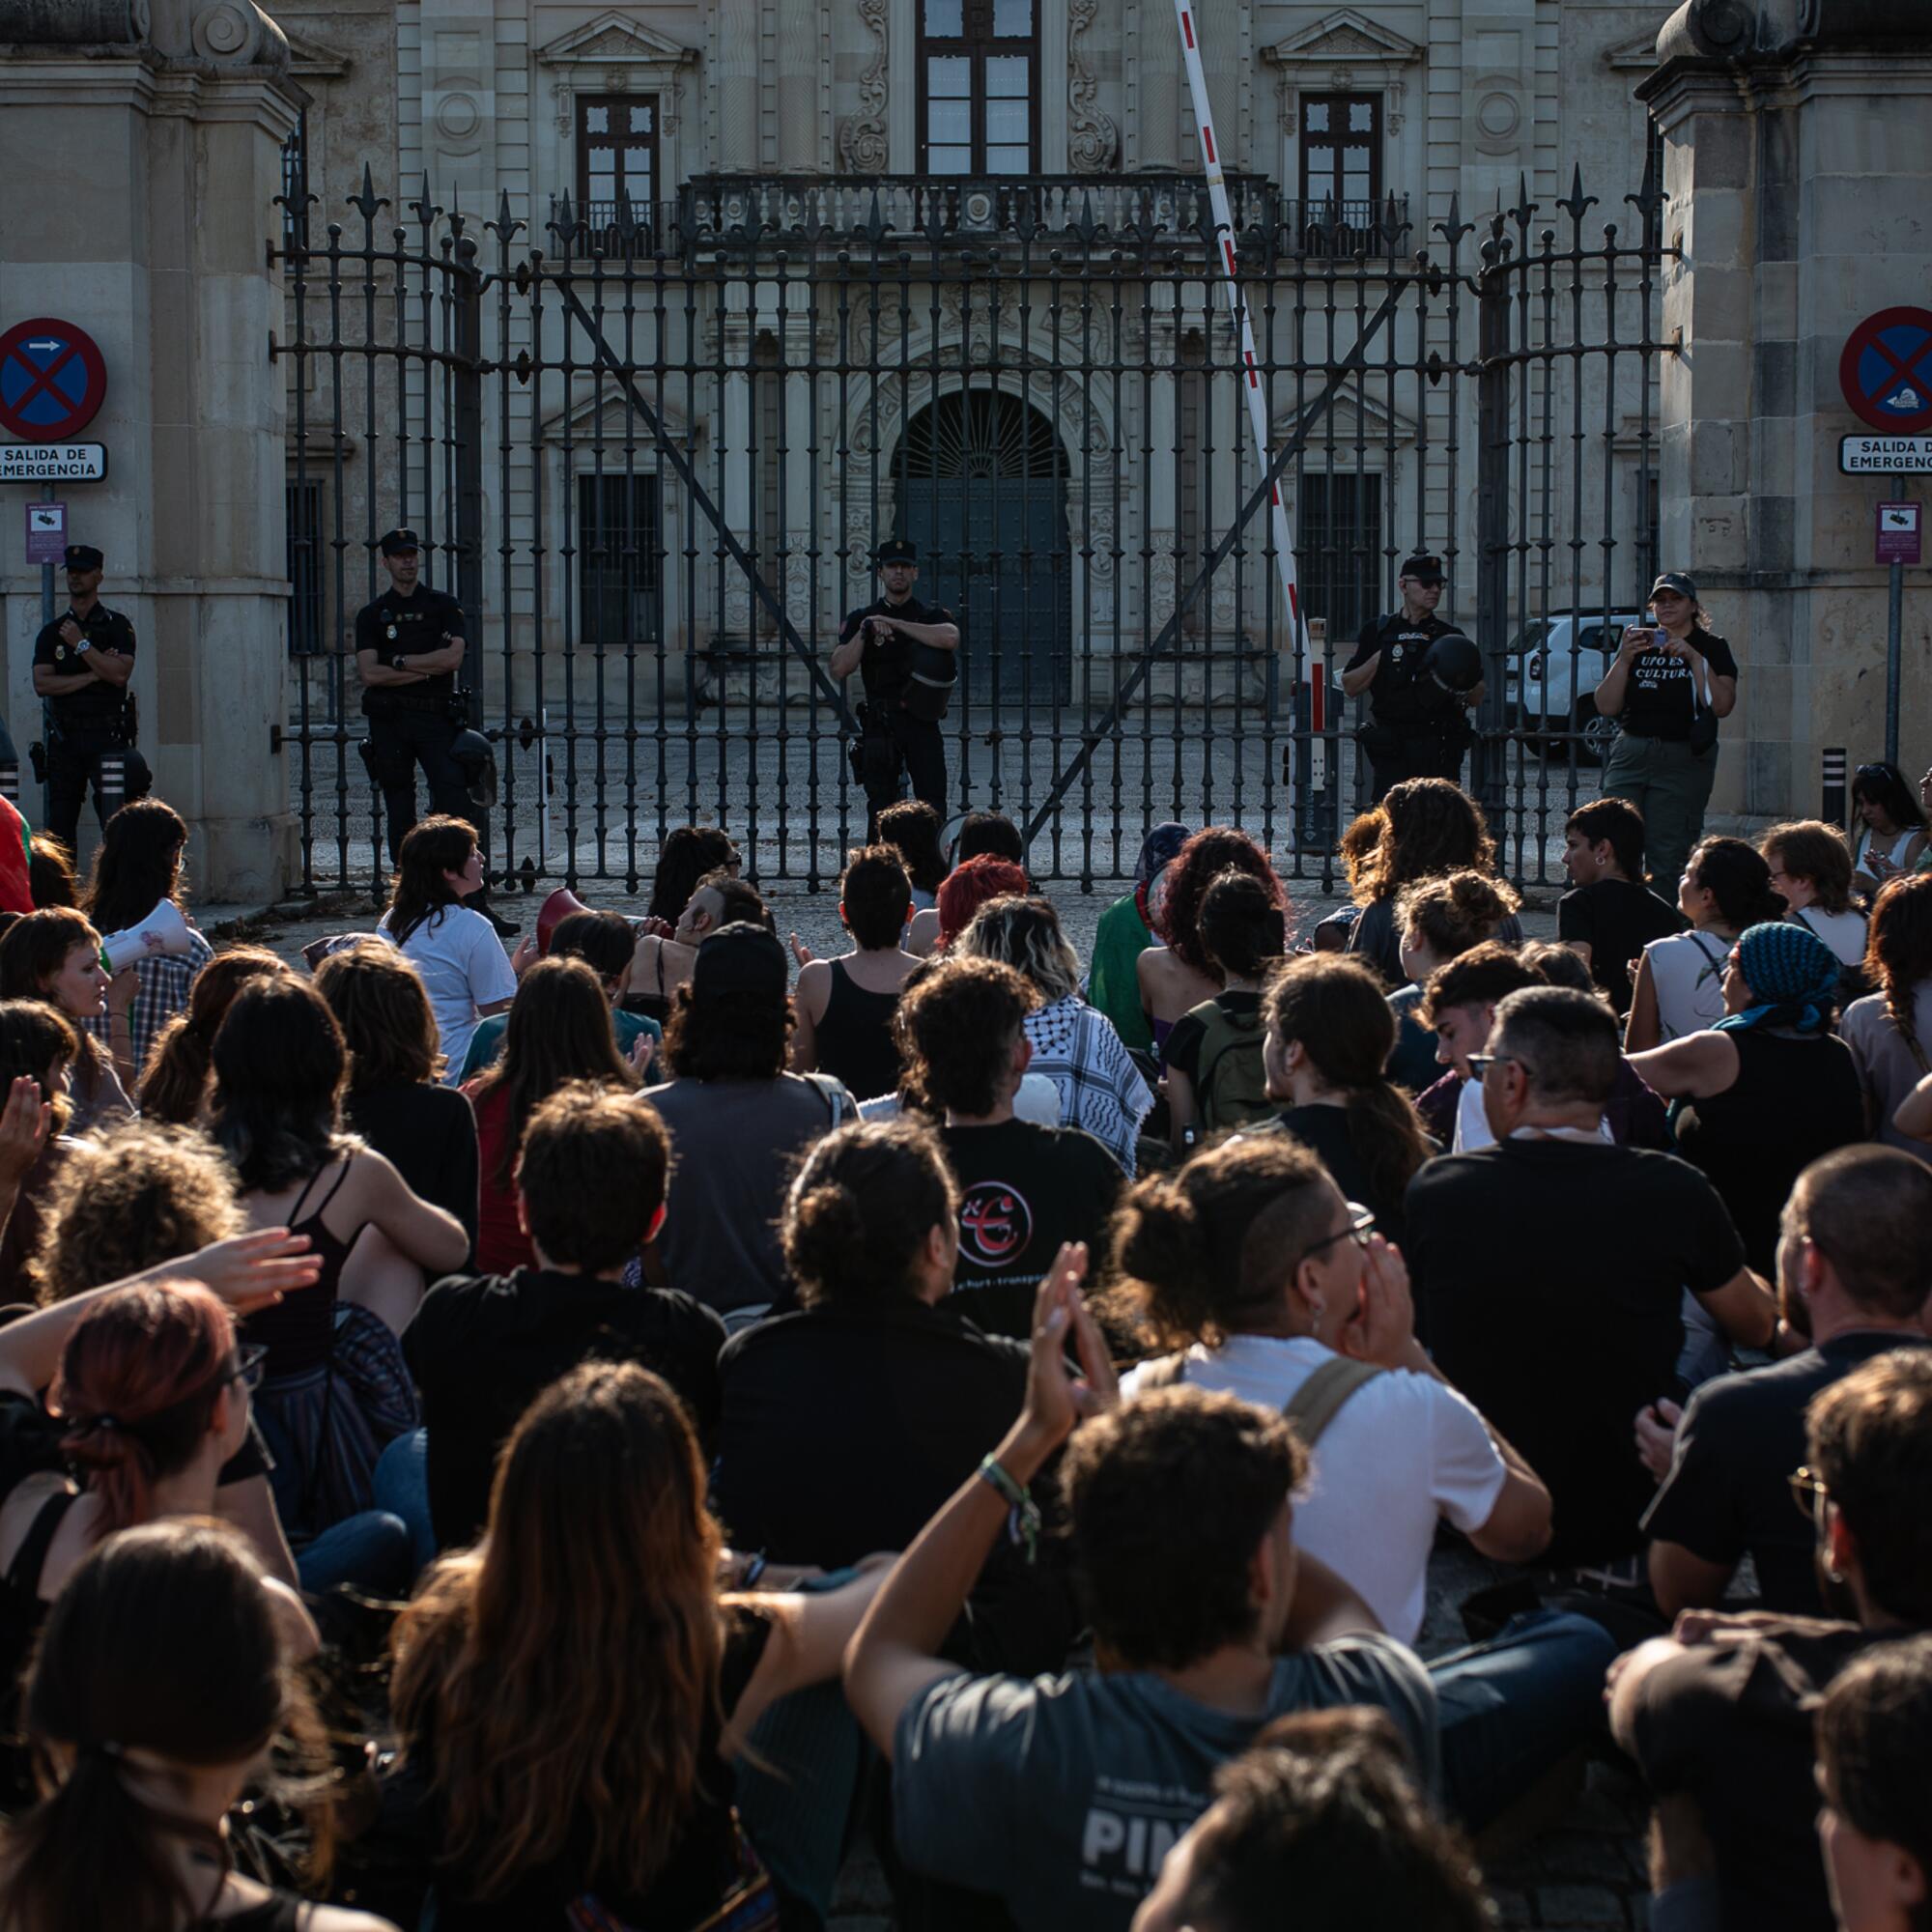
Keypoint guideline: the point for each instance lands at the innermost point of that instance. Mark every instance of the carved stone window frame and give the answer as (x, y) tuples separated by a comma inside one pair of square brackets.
[(1346, 52), (614, 54)]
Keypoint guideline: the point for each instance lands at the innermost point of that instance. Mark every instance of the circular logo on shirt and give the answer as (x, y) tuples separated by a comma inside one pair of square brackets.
[(392, 634), (995, 1224)]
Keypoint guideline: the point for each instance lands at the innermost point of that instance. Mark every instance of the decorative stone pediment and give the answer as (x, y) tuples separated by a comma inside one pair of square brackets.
[(1344, 39), (310, 60), (1638, 56), (614, 37)]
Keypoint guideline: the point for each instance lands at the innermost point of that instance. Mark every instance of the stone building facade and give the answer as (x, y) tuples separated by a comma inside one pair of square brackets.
[(1367, 127)]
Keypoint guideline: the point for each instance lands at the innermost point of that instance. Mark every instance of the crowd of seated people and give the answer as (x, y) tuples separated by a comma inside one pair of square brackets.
[(571, 1438)]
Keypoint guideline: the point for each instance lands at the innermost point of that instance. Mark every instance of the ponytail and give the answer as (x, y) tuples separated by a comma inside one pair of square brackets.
[(1386, 1132)]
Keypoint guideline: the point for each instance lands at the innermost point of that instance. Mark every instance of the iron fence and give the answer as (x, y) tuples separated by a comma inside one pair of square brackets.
[(650, 450)]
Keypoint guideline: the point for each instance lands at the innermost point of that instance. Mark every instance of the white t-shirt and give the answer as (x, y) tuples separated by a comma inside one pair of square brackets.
[(463, 967), (1688, 971), (1403, 1450), (1844, 932)]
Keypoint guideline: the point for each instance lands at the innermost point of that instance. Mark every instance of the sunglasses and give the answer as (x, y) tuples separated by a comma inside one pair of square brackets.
[(1481, 1063)]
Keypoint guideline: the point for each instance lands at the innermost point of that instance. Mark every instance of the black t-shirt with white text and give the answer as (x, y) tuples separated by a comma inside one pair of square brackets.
[(1549, 1277), (1617, 919), (1023, 1190), (395, 626), (886, 668), (1661, 698)]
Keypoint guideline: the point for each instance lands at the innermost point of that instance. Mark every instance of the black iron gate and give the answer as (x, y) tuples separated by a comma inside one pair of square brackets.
[(651, 450)]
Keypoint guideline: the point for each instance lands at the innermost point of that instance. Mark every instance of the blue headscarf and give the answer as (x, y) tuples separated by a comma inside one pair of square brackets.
[(1794, 979), (1157, 850)]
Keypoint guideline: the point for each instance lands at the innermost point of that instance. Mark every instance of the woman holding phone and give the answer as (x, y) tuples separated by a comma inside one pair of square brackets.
[(1667, 687)]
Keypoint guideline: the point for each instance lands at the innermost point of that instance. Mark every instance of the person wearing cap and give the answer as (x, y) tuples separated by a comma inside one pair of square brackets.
[(906, 654), (1667, 687), (738, 1123), (1417, 729), (409, 645), (82, 663)]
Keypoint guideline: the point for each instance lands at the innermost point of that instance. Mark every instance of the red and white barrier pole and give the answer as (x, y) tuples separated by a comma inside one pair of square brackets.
[(1237, 314)]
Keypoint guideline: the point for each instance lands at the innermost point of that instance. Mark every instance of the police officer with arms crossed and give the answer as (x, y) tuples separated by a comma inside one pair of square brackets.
[(1417, 729), (409, 649), (907, 655), (82, 663)]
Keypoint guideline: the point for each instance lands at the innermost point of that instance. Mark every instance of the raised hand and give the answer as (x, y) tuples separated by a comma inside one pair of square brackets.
[(25, 1121), (1382, 1329), (253, 1270)]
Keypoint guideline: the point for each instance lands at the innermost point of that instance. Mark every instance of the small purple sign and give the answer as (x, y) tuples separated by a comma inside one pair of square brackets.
[(1896, 539), (46, 533)]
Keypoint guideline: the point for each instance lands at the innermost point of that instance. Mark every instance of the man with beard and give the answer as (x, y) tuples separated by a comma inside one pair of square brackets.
[(1719, 1713), (1853, 1271)]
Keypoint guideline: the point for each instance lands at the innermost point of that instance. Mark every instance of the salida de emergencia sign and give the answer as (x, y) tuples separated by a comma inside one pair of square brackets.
[(52, 462)]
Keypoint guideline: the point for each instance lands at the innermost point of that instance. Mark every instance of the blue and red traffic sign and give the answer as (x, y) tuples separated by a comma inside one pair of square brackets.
[(1885, 371), (52, 380)]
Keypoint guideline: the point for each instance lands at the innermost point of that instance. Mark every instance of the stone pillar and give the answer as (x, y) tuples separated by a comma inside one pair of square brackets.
[(1157, 54), (1795, 170), (142, 168), (738, 143), (802, 61), (459, 100)]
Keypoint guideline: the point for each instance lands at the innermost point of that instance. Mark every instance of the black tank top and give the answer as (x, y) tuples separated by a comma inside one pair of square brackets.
[(298, 1331), (855, 1037)]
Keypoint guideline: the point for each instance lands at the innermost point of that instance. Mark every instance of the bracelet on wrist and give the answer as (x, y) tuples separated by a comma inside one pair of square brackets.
[(1022, 1511)]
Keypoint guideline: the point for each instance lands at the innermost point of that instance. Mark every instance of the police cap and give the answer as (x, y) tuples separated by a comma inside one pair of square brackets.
[(895, 550), (396, 542), (84, 556), (1425, 569)]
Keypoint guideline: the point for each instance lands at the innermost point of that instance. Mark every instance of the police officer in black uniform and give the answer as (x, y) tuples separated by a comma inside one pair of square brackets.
[(410, 644), (1417, 729), (82, 663), (907, 653)]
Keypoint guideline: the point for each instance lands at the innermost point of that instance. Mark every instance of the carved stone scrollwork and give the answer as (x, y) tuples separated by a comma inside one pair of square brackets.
[(863, 145), (1093, 141)]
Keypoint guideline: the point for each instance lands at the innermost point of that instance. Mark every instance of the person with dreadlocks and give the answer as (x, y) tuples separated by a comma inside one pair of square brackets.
[(1768, 1090), (1891, 1033)]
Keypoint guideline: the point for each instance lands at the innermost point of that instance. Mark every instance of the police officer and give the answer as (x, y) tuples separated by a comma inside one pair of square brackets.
[(907, 655), (82, 663), (408, 649), (1417, 729)]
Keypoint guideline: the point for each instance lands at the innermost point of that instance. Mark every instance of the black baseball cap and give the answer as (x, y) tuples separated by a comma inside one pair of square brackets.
[(1424, 569), (1675, 579), (84, 556), (739, 958), (398, 541), (895, 550)]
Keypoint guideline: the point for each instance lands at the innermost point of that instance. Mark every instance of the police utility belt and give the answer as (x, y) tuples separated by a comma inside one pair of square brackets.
[(119, 727), (451, 704)]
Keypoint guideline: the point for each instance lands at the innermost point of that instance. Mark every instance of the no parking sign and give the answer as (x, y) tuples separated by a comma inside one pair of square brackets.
[(1885, 370)]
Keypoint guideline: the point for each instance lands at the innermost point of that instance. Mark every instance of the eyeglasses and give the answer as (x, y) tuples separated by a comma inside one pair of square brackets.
[(1481, 1063), (250, 1361), (1808, 1492), (1361, 1225)]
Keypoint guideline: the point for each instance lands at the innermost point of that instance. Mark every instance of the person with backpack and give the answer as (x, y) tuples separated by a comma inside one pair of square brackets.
[(1215, 1074), (1329, 1031), (1253, 1245)]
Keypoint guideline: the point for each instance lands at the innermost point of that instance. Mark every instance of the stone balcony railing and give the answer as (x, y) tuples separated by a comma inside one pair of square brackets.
[(927, 211)]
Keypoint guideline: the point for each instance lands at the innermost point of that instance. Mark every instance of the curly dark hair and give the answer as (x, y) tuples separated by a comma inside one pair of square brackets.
[(955, 1027), (1323, 1808), (1898, 950), (1197, 1250), (1477, 978), (1429, 826), (593, 1170), (1211, 851), (860, 1209), (687, 855), (911, 827), (1168, 1500), (1454, 910)]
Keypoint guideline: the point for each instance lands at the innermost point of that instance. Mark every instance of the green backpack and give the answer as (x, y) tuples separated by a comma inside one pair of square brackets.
[(1229, 1083)]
